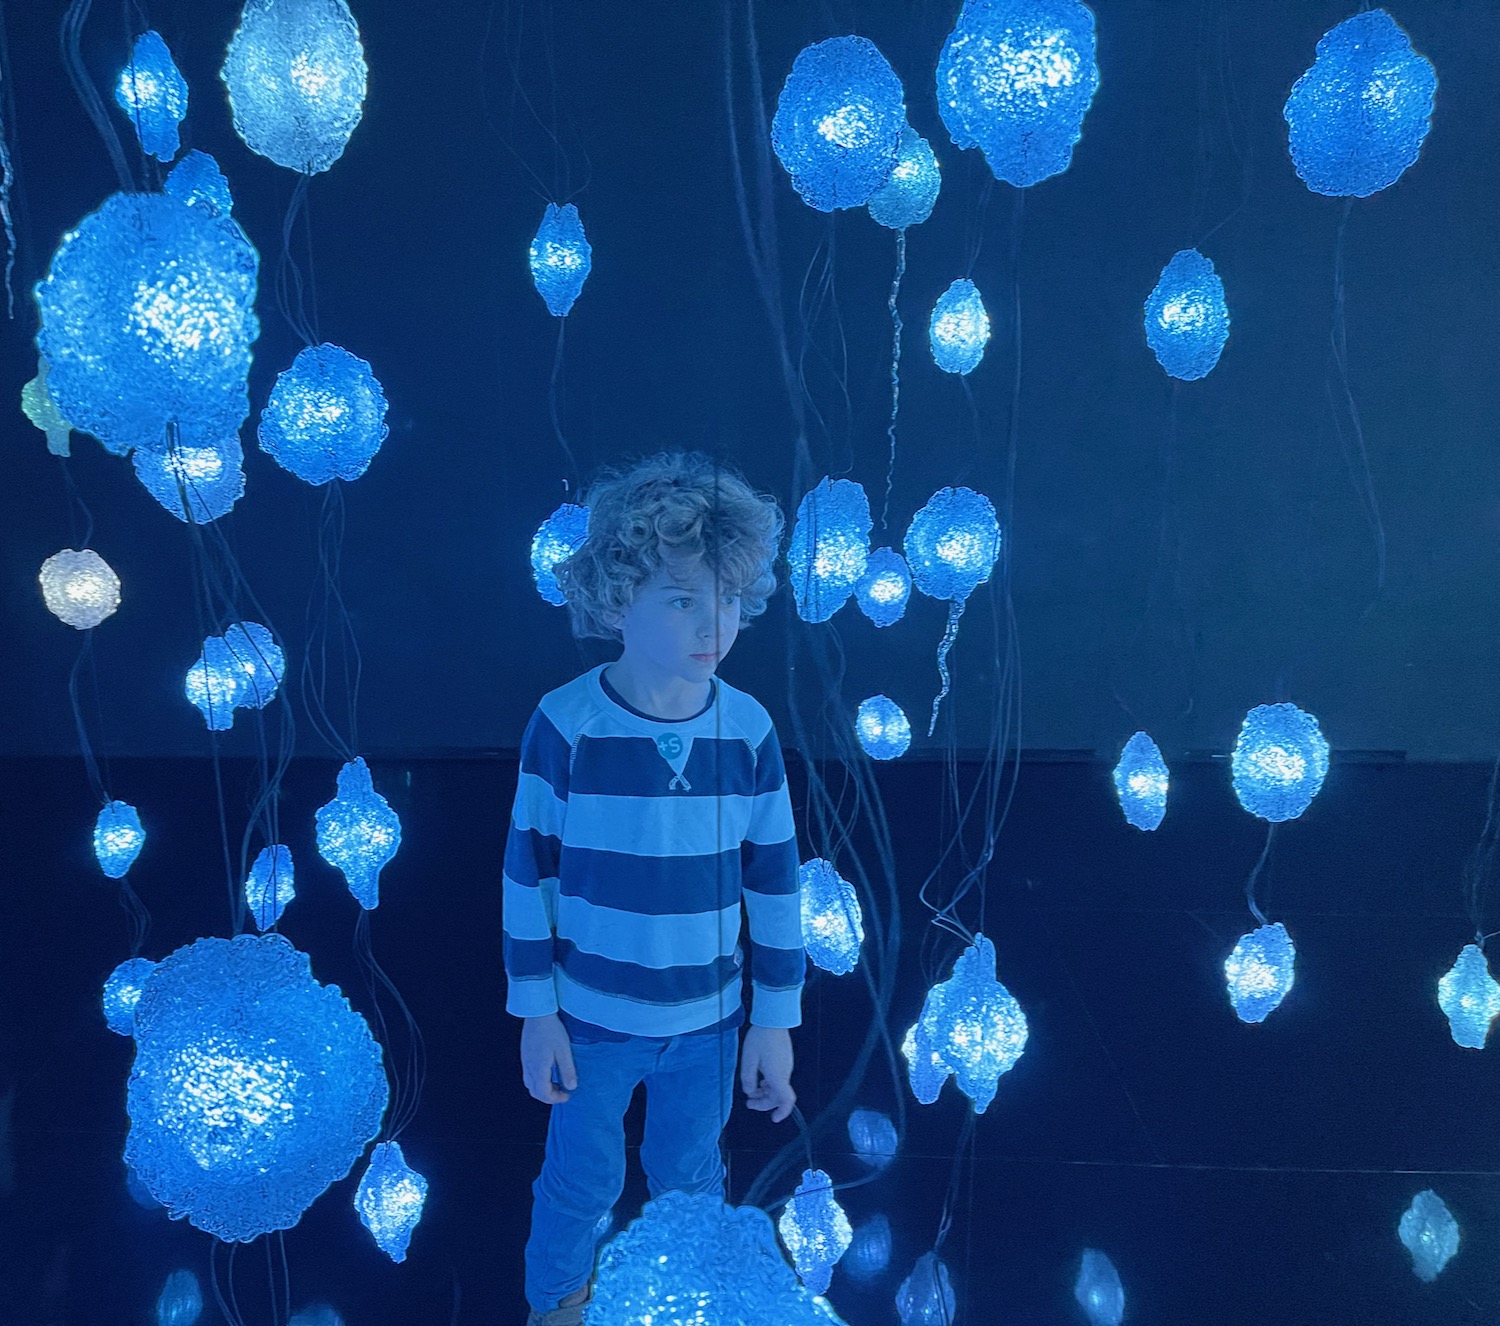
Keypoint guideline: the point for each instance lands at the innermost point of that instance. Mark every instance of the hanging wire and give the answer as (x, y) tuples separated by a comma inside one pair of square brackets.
[(7, 168), (890, 431), (1479, 869), (409, 1076), (70, 34), (1255, 874)]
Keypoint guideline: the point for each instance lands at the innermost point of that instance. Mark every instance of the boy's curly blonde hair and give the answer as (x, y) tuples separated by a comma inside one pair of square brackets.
[(672, 507)]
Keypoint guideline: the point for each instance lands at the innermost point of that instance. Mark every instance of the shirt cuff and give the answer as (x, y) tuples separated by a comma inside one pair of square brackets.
[(531, 999), (776, 1008)]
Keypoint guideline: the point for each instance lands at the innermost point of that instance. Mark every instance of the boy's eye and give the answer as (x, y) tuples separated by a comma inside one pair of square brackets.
[(681, 602)]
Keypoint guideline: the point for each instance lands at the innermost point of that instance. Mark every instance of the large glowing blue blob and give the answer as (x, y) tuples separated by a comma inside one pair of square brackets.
[(216, 684), (325, 418), (557, 539), (253, 1088), (1187, 320), (885, 588), (389, 1199), (833, 925), (959, 328), (1259, 972), (1141, 782), (270, 886), (122, 992), (908, 197), (561, 258), (1430, 1233), (154, 96), (198, 478), (147, 318), (870, 1252), (882, 728), (873, 1137), (260, 660), (1469, 998), (829, 548), (197, 179), (1098, 1289), (180, 1302), (296, 73), (1015, 79), (926, 1295), (1280, 760), (971, 1026), (815, 1230), (118, 838), (838, 123), (358, 833), (1357, 119)]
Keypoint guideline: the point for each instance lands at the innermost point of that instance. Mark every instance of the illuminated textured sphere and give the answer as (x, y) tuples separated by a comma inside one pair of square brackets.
[(1141, 782), (1015, 79), (561, 258), (216, 684), (122, 992), (833, 926), (873, 1137), (389, 1199), (153, 95), (1260, 971), (1469, 998), (148, 315), (883, 729), (1279, 761), (197, 179), (79, 587), (815, 1230), (829, 548), (1430, 1233), (870, 1251), (358, 833), (253, 1088), (1187, 320), (959, 329), (260, 660), (325, 418), (38, 406), (557, 539), (952, 543), (118, 838), (198, 479), (926, 1295), (296, 72), (180, 1302), (1098, 1290), (270, 886), (885, 588), (838, 123), (1358, 117), (908, 197)]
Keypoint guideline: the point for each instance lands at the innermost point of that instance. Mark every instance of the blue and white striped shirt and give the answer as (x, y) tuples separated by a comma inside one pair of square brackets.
[(632, 845)]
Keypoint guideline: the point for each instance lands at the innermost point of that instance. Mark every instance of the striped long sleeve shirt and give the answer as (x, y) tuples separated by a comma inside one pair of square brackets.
[(633, 845)]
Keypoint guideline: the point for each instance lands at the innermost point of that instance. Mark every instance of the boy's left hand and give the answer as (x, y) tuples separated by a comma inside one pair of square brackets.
[(766, 1071)]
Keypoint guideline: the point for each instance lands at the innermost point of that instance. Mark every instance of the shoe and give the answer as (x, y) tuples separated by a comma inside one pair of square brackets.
[(574, 1315)]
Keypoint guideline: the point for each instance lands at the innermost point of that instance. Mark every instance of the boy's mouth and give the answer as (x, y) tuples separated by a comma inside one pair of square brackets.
[(705, 658)]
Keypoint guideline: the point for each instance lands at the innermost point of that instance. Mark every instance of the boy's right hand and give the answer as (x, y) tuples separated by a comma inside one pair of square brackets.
[(545, 1045)]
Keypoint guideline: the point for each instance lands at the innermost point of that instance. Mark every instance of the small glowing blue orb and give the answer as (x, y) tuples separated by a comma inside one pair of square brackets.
[(1357, 119), (829, 548), (833, 925), (870, 1252), (216, 684), (557, 539), (154, 96), (561, 258), (873, 1137), (1279, 762), (389, 1199), (122, 992), (926, 1295), (838, 123), (952, 543), (181, 1300), (1187, 320), (358, 833), (1430, 1233), (1260, 971), (1141, 782), (1470, 998), (885, 588), (1015, 79), (296, 75), (908, 197), (118, 838), (959, 329), (197, 179), (325, 418), (815, 1230), (883, 729), (1098, 1290), (271, 885), (198, 478), (260, 660)]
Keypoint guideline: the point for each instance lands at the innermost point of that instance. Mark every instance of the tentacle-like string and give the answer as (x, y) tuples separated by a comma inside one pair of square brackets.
[(890, 431), (955, 611)]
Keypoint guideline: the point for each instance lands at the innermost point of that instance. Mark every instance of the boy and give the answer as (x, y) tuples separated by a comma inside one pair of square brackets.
[(652, 800)]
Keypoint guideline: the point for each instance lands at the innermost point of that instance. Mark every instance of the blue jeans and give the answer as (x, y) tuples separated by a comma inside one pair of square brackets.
[(689, 1087)]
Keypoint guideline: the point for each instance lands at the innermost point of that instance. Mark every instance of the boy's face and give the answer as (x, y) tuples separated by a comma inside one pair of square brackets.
[(681, 622)]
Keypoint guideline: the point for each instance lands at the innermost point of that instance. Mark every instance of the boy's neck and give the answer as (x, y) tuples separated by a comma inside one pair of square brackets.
[(654, 693)]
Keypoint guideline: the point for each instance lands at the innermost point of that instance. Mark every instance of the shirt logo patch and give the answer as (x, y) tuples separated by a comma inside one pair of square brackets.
[(670, 746)]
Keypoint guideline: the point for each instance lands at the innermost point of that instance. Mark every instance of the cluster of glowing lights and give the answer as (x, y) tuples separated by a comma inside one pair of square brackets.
[(1141, 782), (882, 727), (1279, 762), (197, 180), (196, 479), (1259, 971), (815, 1230), (829, 548), (122, 992), (1429, 1233), (833, 925), (1098, 1290), (959, 328), (358, 832), (873, 1137), (118, 838), (926, 1296), (39, 407), (270, 886), (1470, 998), (79, 587), (557, 539), (885, 588), (154, 96), (909, 195), (325, 418), (1187, 320), (390, 1199), (242, 668), (561, 258)]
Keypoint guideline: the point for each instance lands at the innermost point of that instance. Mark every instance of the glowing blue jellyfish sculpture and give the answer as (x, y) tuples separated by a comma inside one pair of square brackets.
[(216, 684), (325, 418), (180, 1302), (971, 1027), (561, 258), (198, 478), (122, 992), (154, 96), (926, 1295), (389, 1199), (118, 838), (1187, 320), (829, 548), (959, 328), (1470, 998), (79, 588), (147, 318), (1430, 1233), (557, 539), (870, 1251), (839, 122), (908, 197), (833, 925), (873, 1137), (1098, 1290), (38, 406), (1015, 79), (1357, 119), (197, 179), (260, 660), (885, 588), (253, 1087), (815, 1230), (1259, 972), (1280, 760), (882, 728), (270, 886), (358, 833), (296, 73), (1141, 782)]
